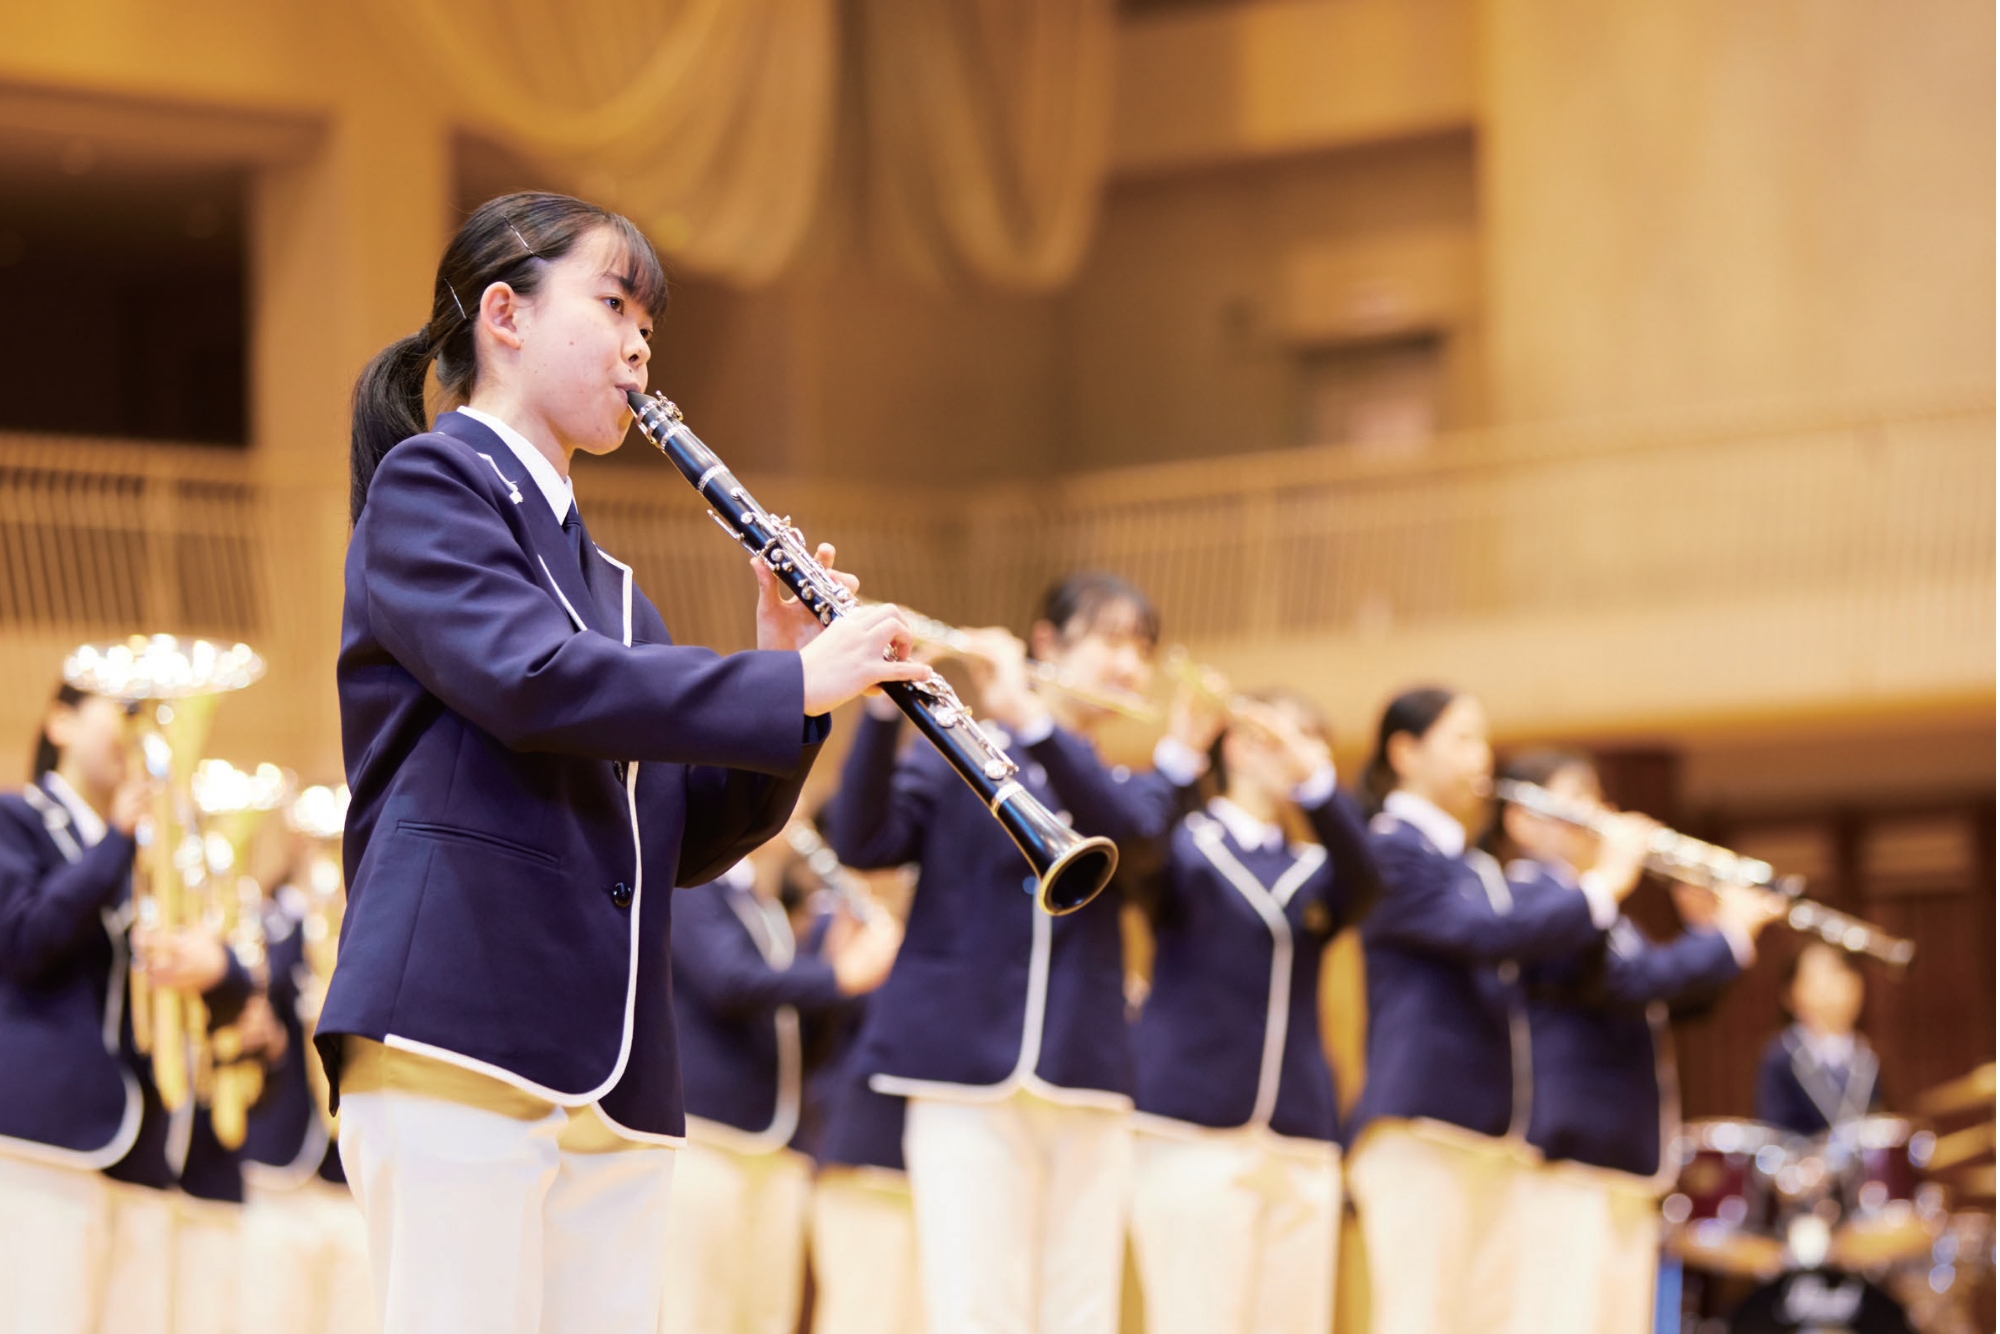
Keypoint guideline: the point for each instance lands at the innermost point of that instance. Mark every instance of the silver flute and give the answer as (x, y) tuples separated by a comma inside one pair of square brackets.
[(1693, 862)]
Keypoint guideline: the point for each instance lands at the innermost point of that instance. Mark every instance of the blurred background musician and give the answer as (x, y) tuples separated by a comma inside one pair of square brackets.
[(70, 1103), (126, 1249), (743, 1190), (1236, 1189), (1004, 1027), (305, 1246), (1606, 1098), (1439, 1137), (863, 1236), (1820, 1071)]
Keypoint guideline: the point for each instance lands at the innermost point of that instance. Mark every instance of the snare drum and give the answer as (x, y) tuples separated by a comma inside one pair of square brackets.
[(1723, 1214), (1887, 1214)]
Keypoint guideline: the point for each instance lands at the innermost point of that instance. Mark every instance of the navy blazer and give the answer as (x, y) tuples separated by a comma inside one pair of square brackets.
[(528, 754), (287, 1141), (69, 1096), (1796, 1093), (989, 993), (740, 983), (1230, 1033), (1597, 1027), (1446, 1028)]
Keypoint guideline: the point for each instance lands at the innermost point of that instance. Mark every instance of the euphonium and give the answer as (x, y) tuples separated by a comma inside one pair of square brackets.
[(1042, 675), (1070, 870), (319, 815), (233, 806), (1693, 862), (176, 684)]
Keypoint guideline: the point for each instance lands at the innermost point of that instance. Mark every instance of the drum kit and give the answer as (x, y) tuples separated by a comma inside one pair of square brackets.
[(1832, 1225)]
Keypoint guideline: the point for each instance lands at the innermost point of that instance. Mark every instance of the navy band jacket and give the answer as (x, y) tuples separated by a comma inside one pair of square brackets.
[(1605, 1092), (533, 765), (1446, 1025), (1230, 1033), (989, 993)]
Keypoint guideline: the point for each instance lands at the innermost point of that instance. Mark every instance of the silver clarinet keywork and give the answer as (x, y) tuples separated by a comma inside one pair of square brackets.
[(1070, 869), (1694, 862)]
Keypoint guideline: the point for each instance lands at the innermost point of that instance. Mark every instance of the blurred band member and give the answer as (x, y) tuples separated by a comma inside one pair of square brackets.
[(742, 1193), (305, 1245), (1820, 1071), (1005, 1027), (864, 1237), (1606, 1101), (1236, 1197), (1440, 1133), (79, 1251)]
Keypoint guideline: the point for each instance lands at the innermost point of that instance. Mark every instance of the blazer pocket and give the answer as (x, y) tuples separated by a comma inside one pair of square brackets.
[(445, 833)]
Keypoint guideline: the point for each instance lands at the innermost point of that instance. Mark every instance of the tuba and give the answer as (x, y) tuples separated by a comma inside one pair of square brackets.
[(233, 806), (175, 685)]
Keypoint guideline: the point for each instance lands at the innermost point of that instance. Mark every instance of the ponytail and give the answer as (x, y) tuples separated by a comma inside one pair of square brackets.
[(508, 240), (388, 409), (1415, 712)]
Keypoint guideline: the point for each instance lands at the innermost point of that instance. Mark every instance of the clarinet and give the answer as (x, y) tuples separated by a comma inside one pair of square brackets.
[(845, 887), (1070, 870)]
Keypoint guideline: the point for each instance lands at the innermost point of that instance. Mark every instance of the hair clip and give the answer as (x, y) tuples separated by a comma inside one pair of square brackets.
[(456, 302), (522, 239)]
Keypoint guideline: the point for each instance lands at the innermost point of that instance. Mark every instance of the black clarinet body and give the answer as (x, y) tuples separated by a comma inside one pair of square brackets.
[(1070, 869)]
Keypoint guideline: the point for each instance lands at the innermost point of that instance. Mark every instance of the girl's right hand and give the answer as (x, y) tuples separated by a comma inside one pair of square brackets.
[(855, 654), (129, 802)]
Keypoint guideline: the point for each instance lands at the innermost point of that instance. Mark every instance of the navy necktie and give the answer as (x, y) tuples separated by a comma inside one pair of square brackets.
[(572, 527)]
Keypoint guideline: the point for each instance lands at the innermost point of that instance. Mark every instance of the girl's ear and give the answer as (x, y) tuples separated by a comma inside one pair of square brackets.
[(1041, 640), (1399, 753), (60, 726), (500, 308)]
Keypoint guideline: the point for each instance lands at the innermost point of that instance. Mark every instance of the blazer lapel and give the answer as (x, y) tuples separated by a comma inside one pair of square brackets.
[(548, 546)]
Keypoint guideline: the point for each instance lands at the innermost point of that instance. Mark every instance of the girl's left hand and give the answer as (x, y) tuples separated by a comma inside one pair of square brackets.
[(784, 622)]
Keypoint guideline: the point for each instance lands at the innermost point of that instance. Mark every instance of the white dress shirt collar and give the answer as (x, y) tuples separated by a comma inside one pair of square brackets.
[(1251, 834), (1446, 834), (1829, 1051), (89, 825), (554, 488)]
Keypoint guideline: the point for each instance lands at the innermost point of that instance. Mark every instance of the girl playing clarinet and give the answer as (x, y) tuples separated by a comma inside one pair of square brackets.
[(534, 764)]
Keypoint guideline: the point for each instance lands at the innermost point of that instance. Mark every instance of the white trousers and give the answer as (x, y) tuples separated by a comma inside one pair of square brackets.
[(305, 1262), (1443, 1249), (864, 1254), (1595, 1260), (174, 1265), (485, 1223), (1235, 1232), (736, 1240), (55, 1237), (1020, 1209)]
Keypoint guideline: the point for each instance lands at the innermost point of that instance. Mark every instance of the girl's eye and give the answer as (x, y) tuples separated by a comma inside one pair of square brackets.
[(617, 303)]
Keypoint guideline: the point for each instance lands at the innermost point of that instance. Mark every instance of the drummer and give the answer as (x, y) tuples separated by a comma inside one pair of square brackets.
[(1819, 1072)]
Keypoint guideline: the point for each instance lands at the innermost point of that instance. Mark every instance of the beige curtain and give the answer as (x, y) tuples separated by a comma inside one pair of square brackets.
[(988, 127), (706, 121), (712, 122)]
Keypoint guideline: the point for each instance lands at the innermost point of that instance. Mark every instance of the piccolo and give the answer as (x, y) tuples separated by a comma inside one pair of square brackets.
[(1042, 675), (1070, 869), (1693, 862)]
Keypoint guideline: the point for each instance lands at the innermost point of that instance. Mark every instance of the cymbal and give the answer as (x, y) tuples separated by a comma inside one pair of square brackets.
[(1968, 1093)]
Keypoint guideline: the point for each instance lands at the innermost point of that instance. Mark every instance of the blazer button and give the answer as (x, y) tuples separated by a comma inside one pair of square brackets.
[(621, 894)]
